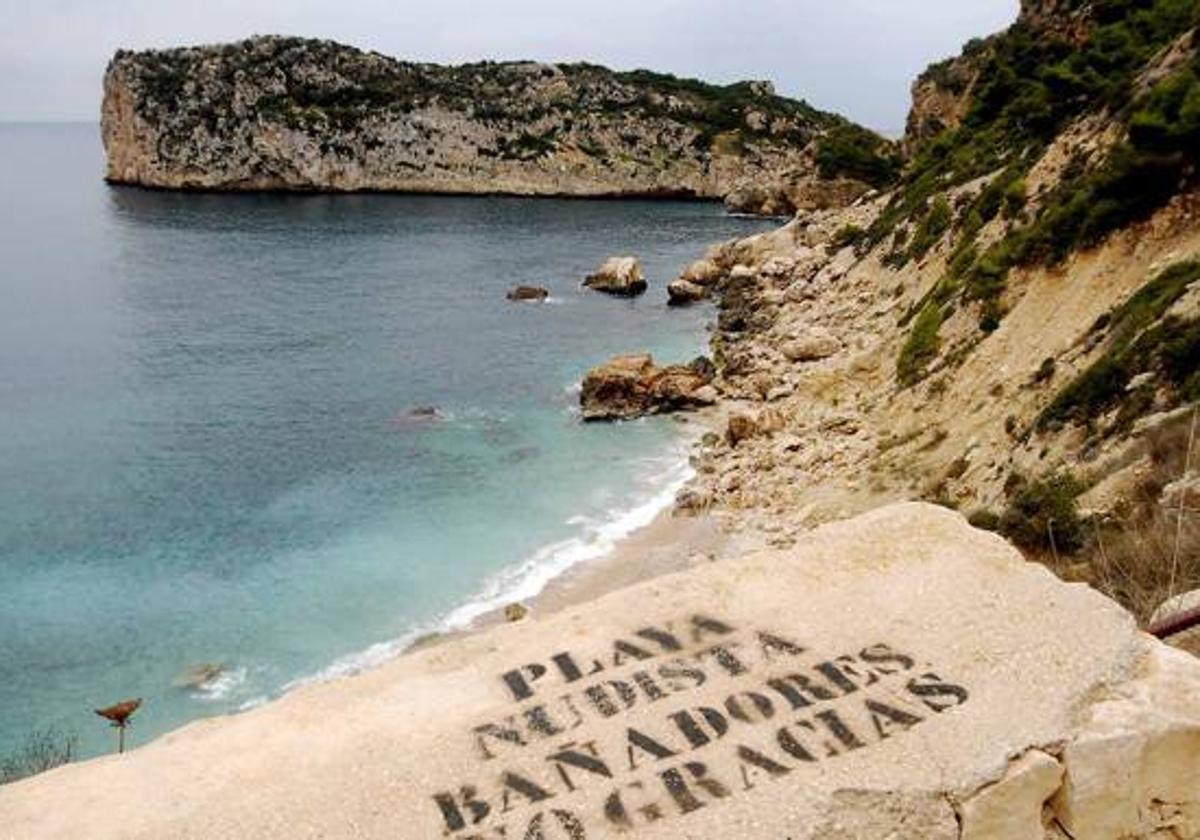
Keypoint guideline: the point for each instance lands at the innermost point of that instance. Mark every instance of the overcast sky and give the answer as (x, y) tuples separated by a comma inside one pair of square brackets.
[(856, 57)]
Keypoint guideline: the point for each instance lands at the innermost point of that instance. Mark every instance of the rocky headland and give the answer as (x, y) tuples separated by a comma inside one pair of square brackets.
[(273, 113)]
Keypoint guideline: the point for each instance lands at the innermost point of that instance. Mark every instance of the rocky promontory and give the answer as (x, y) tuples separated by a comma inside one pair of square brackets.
[(631, 386), (274, 113)]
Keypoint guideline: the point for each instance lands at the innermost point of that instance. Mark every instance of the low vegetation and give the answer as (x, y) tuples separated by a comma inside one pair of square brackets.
[(1139, 341), (850, 151), (1042, 515), (922, 345), (1141, 555), (845, 237), (42, 750), (1031, 87)]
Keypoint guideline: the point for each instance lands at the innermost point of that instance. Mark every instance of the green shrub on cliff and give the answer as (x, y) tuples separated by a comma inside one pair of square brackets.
[(844, 237), (1140, 340), (922, 345), (526, 146), (851, 151), (935, 224), (1043, 516), (1032, 84)]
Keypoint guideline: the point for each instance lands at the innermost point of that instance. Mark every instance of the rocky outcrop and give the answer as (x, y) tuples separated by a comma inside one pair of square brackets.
[(275, 113), (682, 292), (620, 276), (941, 96), (787, 196), (633, 386), (697, 282), (528, 293)]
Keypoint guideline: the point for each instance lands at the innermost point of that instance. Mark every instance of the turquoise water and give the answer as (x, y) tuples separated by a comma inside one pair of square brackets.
[(206, 448)]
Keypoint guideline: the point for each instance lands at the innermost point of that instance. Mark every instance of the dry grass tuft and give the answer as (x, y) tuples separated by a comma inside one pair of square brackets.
[(42, 750), (1150, 553)]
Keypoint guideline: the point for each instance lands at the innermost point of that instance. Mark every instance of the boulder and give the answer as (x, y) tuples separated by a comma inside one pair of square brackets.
[(740, 427), (703, 272), (786, 197), (681, 292), (1183, 493), (742, 307), (631, 386), (814, 345), (528, 293), (621, 276), (899, 675), (760, 200)]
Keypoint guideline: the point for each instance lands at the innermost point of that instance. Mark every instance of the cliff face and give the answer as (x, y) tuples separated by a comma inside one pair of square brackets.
[(292, 114), (943, 94), (1014, 330)]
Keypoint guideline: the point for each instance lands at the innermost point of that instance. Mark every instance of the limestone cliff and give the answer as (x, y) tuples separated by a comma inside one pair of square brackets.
[(943, 94), (275, 113)]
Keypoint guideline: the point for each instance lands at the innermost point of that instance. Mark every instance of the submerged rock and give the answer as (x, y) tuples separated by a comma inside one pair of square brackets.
[(631, 386), (528, 293), (621, 276), (417, 417), (199, 675)]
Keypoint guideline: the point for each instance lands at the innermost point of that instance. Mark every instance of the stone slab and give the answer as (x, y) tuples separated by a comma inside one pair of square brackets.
[(899, 675)]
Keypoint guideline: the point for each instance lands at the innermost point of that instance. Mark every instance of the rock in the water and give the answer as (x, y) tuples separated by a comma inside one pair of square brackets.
[(681, 292), (199, 675), (632, 386), (703, 272), (528, 293), (899, 675), (620, 276)]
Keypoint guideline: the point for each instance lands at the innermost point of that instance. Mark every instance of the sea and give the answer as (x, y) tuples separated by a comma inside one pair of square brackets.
[(252, 441)]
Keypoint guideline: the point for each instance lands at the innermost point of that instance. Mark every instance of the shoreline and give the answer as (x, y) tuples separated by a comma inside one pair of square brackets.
[(666, 544), (664, 195)]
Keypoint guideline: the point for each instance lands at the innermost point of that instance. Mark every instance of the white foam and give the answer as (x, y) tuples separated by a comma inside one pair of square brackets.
[(595, 540), (664, 478), (222, 685)]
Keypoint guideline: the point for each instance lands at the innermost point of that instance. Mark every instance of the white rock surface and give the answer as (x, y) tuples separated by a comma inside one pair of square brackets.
[(899, 675)]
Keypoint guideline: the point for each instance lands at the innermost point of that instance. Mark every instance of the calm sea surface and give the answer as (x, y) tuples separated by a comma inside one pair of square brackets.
[(206, 447)]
